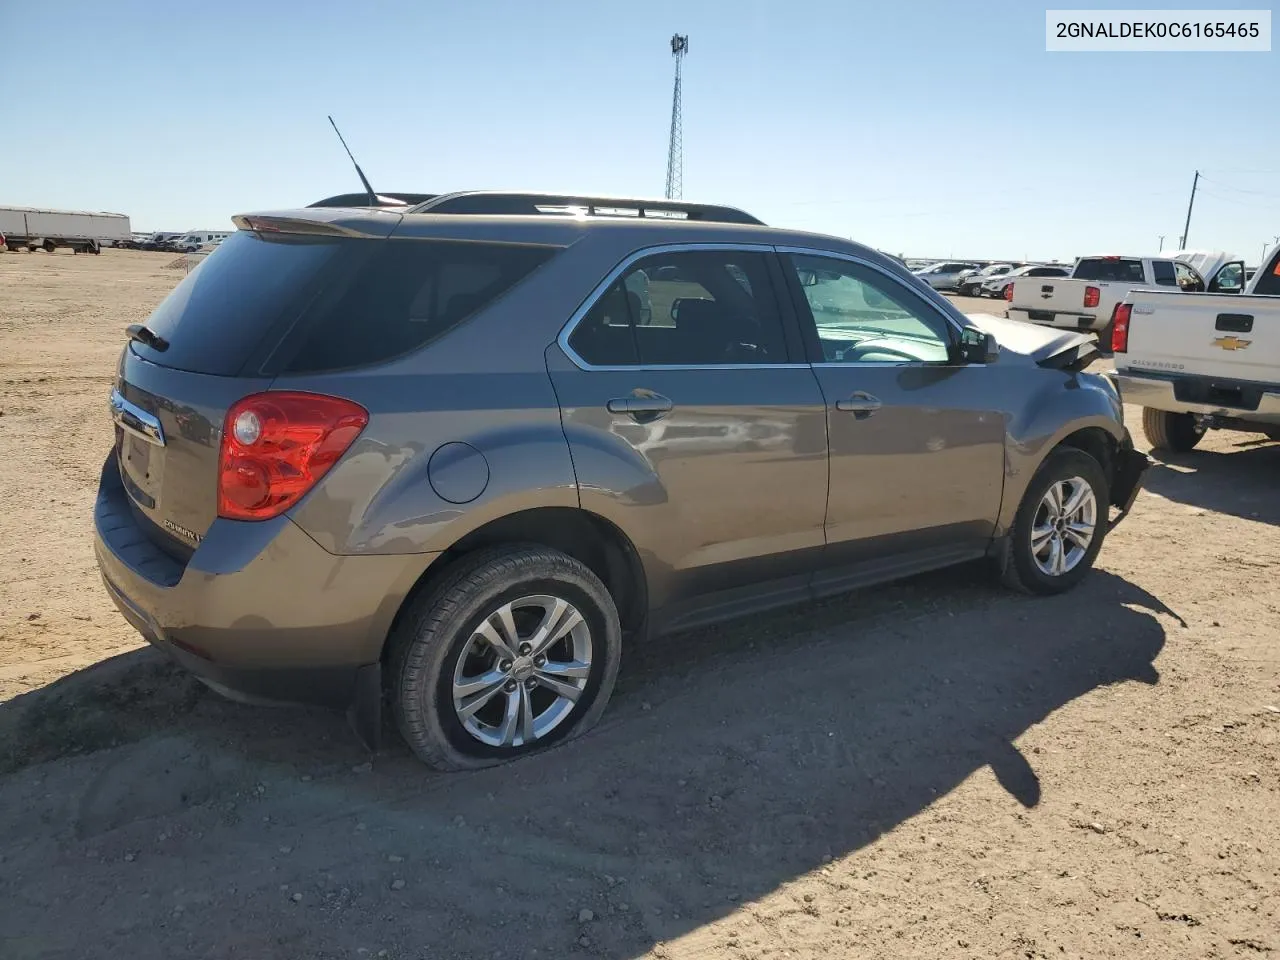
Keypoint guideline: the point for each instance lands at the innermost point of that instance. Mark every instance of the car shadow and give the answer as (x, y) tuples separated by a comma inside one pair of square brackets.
[(1240, 480), (733, 760)]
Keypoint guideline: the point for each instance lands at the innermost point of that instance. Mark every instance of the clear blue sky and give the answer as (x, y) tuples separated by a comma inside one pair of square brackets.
[(933, 128)]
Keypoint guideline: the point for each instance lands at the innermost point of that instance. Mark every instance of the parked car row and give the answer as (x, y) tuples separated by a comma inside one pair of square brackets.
[(973, 280), (188, 242)]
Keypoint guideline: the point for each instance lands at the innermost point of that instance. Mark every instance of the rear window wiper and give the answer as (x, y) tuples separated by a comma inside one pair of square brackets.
[(146, 336)]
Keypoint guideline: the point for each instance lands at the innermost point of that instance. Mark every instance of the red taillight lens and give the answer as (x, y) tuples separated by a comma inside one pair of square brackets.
[(1120, 328), (275, 446), (1091, 296), (1008, 291)]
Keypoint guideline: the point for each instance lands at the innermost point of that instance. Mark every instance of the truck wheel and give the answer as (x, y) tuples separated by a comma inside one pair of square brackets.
[(1178, 432), (1060, 524), (49, 246), (516, 649)]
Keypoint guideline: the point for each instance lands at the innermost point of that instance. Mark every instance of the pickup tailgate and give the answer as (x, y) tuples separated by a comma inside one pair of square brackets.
[(1223, 336), (1059, 302)]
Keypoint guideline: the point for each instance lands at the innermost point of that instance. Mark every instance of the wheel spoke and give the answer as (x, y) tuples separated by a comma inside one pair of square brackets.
[(507, 732), (557, 686), (1053, 500), (468, 686), (467, 707), (1040, 536), (499, 630), (1081, 534), (1057, 557), (575, 669), (559, 620), (1076, 500), (526, 715)]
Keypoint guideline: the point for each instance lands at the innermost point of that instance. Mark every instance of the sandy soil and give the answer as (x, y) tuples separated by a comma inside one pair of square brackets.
[(937, 769)]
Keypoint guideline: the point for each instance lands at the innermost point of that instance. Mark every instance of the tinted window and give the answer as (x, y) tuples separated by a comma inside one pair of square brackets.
[(690, 308), (1046, 272), (408, 294), (604, 337), (220, 311), (1163, 270), (864, 317), (1109, 269)]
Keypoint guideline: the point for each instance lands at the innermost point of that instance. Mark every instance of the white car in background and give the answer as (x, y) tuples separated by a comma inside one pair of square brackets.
[(996, 286), (971, 284), (946, 275)]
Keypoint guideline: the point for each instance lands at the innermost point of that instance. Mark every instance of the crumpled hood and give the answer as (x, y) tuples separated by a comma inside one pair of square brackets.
[(1038, 344)]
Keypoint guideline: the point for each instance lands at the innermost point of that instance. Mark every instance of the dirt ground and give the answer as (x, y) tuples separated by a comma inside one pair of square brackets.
[(936, 769)]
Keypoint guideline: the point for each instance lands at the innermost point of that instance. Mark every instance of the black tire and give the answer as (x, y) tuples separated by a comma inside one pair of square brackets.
[(1021, 570), (49, 246), (434, 633), (1177, 432)]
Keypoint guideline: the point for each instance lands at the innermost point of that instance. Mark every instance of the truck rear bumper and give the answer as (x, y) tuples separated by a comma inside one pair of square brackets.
[(1056, 318), (1197, 395)]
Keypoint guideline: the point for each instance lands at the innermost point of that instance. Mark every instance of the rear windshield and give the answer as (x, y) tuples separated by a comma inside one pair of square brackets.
[(220, 312), (335, 302), (1107, 269)]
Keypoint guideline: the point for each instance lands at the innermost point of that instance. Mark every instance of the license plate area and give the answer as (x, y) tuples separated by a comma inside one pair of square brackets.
[(140, 469)]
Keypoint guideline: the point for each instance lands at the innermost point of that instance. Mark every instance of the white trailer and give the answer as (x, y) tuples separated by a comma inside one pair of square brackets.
[(36, 228)]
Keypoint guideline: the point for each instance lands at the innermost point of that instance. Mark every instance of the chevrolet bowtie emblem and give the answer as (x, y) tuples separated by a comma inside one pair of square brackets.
[(1232, 343)]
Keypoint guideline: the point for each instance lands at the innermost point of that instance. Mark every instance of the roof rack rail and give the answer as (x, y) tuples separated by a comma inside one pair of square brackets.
[(383, 200), (479, 202)]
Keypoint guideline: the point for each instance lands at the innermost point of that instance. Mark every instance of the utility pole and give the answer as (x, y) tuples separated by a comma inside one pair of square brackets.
[(675, 147), (1187, 229), (1161, 250)]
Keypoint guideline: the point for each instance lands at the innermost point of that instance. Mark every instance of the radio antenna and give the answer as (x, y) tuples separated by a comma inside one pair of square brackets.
[(373, 197)]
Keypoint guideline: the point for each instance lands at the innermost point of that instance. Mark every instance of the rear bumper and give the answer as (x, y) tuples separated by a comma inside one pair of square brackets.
[(1053, 318), (1162, 393), (260, 612)]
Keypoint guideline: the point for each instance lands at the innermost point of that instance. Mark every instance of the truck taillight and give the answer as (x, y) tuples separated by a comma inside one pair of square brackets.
[(1120, 328), (1008, 291), (277, 445), (1091, 296)]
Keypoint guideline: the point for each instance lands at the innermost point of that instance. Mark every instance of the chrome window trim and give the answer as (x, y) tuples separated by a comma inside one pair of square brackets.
[(599, 290), (133, 419)]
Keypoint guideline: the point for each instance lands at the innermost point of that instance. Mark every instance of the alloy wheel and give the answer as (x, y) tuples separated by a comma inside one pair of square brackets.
[(1064, 527), (522, 671)]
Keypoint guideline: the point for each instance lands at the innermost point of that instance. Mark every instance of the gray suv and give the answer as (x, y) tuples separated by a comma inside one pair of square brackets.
[(453, 459)]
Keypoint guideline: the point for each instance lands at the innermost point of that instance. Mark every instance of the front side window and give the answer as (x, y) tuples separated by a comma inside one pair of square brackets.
[(689, 308), (864, 317), (1230, 279)]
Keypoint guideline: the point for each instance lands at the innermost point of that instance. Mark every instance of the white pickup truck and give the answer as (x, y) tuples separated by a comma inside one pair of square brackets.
[(1087, 299), (1202, 361)]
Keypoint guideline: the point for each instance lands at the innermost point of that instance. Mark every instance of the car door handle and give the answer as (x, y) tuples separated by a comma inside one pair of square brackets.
[(861, 405), (641, 409)]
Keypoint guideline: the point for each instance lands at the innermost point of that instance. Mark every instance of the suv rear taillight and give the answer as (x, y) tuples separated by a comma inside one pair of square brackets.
[(1091, 296), (1120, 328), (1008, 291), (277, 445)]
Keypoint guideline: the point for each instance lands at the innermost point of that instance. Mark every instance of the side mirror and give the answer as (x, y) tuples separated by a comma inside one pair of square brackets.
[(976, 346)]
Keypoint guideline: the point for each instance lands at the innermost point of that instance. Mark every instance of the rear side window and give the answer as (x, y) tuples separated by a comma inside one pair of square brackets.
[(1163, 270), (219, 313), (703, 308), (408, 294), (1109, 269)]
